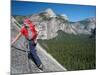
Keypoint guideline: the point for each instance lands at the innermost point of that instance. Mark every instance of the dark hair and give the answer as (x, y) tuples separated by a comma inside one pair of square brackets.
[(25, 26)]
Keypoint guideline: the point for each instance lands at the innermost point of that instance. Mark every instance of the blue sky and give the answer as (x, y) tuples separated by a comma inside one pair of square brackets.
[(74, 12)]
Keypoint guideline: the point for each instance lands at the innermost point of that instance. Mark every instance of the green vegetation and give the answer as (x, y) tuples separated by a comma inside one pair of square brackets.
[(74, 52)]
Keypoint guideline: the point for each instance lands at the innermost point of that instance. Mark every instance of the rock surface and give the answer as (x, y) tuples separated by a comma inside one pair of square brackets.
[(20, 63), (49, 23)]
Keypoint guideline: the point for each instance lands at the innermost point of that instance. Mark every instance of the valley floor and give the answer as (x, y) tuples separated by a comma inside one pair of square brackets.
[(74, 52)]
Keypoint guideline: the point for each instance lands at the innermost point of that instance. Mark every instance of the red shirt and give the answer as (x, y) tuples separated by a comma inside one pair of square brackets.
[(24, 31)]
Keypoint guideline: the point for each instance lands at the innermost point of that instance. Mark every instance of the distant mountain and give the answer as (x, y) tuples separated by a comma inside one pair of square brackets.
[(84, 26), (49, 23)]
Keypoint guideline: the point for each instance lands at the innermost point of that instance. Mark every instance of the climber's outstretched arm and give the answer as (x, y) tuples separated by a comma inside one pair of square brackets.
[(16, 38)]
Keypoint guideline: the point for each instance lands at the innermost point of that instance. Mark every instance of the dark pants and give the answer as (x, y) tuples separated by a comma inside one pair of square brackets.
[(34, 54)]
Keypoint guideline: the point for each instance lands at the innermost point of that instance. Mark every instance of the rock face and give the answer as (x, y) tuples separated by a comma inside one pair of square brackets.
[(50, 12), (20, 63), (85, 26), (64, 16), (48, 23)]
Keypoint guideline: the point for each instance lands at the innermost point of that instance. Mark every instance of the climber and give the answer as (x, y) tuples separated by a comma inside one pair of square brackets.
[(29, 31)]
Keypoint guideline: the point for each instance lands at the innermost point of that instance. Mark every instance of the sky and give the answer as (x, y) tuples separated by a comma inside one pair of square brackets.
[(73, 12)]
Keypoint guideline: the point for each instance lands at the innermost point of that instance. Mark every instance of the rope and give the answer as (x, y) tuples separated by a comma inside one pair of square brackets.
[(19, 49), (26, 52)]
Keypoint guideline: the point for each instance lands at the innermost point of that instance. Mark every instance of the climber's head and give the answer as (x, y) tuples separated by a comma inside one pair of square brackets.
[(27, 21)]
